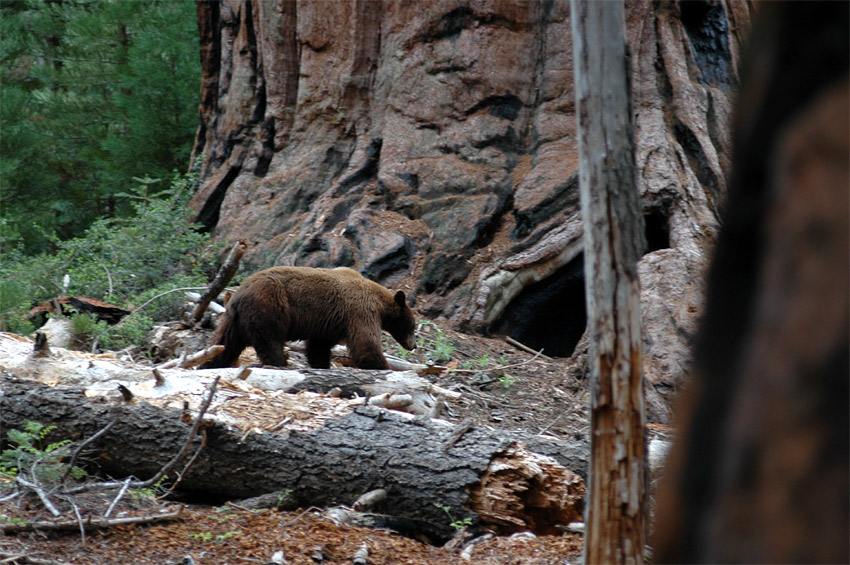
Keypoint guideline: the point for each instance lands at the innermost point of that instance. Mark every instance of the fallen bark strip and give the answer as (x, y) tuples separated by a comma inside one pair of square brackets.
[(367, 449), (90, 522)]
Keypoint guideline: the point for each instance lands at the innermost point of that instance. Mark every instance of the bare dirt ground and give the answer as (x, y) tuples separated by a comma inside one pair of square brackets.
[(503, 386)]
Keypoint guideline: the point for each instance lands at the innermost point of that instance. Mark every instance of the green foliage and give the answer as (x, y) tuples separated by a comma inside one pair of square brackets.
[(507, 380), (95, 92), (28, 453), (207, 537), (456, 524), (440, 348), (14, 304), (202, 536), (125, 262), (85, 328), (149, 492)]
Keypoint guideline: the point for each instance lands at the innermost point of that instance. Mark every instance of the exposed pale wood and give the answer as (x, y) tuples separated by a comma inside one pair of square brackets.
[(517, 477), (613, 242), (195, 359)]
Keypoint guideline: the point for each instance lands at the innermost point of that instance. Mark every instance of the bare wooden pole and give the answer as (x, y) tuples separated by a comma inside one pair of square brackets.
[(613, 242)]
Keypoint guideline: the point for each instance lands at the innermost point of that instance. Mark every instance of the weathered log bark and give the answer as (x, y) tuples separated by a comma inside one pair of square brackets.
[(614, 241), (417, 461)]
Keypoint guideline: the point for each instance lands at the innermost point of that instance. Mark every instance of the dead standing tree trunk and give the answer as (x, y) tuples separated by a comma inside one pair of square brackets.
[(613, 242)]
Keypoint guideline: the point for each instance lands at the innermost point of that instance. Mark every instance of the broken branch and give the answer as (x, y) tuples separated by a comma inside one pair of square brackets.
[(225, 273), (63, 525)]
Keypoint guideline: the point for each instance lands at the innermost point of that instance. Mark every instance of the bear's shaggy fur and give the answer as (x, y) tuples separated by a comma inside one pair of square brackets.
[(322, 306)]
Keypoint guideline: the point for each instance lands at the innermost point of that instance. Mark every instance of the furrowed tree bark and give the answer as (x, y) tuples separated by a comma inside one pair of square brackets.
[(484, 475), (613, 242)]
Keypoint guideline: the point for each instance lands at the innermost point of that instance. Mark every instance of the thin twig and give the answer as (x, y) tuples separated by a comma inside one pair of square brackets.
[(117, 498), (511, 366), (41, 494), (185, 362), (550, 424), (108, 274), (168, 466), (77, 451), (90, 522), (527, 349), (80, 521), (225, 273), (182, 473), (458, 433), (173, 463), (311, 509), (10, 497)]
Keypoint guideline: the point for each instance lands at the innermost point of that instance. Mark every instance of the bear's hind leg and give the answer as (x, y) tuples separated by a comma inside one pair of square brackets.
[(271, 353), (319, 353)]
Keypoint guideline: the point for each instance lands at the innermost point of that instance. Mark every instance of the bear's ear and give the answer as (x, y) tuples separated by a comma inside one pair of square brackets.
[(399, 298)]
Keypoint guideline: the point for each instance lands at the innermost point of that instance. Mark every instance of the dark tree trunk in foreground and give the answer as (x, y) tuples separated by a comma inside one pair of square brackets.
[(760, 473), (614, 241), (419, 463)]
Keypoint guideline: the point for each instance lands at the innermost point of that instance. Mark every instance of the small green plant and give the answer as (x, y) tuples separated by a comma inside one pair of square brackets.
[(220, 538), (85, 330), (456, 524), (28, 453), (207, 537), (13, 521), (14, 304), (149, 492), (440, 347), (507, 380), (223, 514)]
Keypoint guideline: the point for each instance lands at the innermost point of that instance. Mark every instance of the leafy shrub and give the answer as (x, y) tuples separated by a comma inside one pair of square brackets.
[(28, 449), (122, 261)]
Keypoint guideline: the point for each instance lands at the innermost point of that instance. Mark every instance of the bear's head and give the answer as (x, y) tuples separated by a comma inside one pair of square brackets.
[(400, 323)]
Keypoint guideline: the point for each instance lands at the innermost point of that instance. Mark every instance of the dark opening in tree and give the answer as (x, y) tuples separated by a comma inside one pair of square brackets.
[(657, 230), (549, 314)]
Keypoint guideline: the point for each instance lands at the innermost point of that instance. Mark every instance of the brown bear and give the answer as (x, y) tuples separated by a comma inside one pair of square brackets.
[(322, 306)]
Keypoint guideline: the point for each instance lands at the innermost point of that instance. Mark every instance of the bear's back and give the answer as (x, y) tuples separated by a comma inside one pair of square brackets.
[(322, 291)]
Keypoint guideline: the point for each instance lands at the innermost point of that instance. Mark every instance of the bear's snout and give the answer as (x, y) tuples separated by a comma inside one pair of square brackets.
[(409, 342)]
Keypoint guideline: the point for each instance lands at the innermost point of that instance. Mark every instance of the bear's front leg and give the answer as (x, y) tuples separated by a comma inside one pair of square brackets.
[(367, 354), (319, 353)]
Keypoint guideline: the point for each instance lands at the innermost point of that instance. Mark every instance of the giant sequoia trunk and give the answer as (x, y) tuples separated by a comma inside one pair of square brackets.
[(432, 146)]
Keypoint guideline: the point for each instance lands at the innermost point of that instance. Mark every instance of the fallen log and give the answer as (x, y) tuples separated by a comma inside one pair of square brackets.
[(486, 476)]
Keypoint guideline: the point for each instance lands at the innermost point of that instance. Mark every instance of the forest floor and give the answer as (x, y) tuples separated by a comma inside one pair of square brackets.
[(503, 387)]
